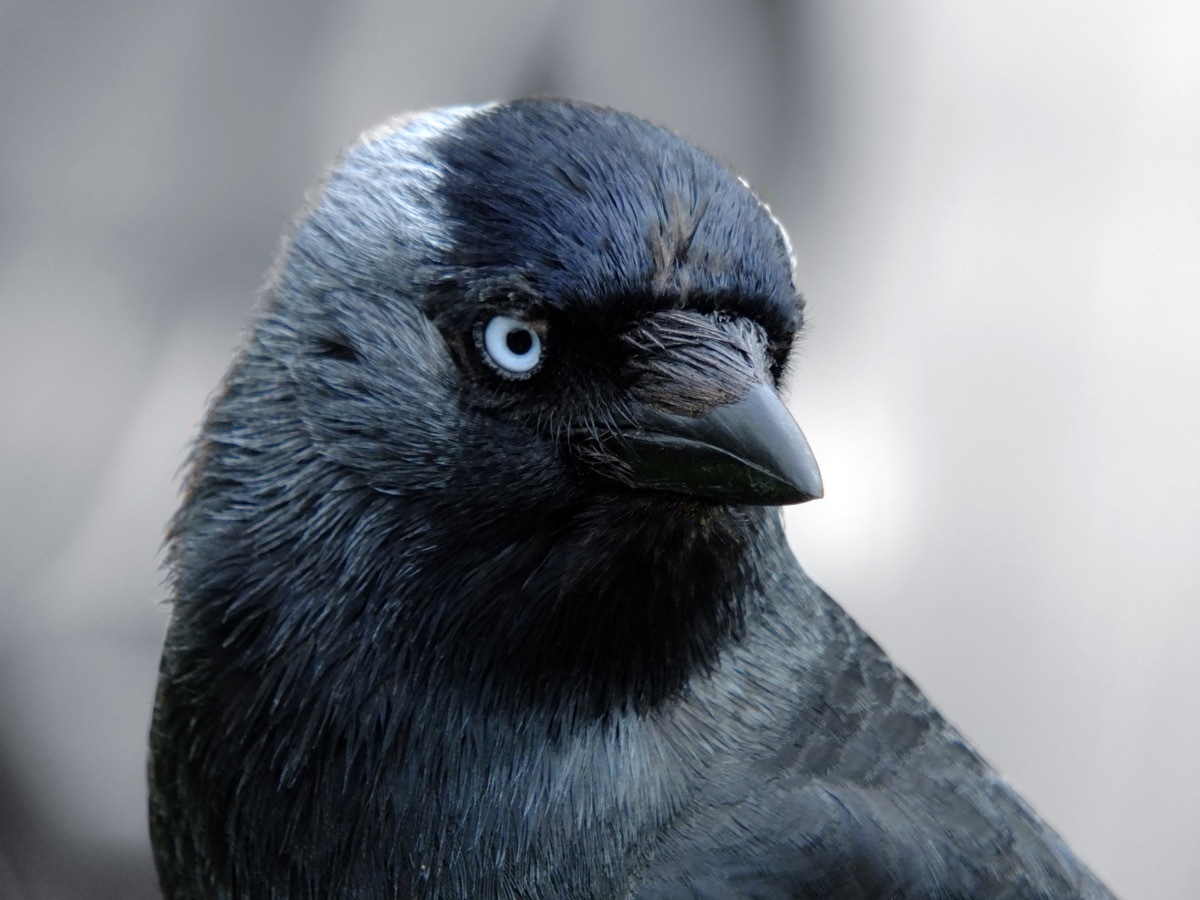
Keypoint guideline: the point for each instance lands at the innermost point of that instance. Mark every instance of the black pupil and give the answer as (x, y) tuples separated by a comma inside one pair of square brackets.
[(519, 341)]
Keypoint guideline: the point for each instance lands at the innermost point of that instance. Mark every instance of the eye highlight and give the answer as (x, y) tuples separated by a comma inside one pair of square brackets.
[(512, 346)]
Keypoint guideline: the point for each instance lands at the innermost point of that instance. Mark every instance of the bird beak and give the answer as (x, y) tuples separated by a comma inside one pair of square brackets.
[(750, 451)]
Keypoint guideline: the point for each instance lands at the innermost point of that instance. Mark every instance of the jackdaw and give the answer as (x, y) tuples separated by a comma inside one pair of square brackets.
[(480, 586)]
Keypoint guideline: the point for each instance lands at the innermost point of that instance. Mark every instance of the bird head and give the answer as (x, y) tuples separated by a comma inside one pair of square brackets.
[(541, 300), (514, 386)]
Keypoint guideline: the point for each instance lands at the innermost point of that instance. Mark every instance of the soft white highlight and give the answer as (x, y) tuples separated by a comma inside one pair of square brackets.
[(787, 241)]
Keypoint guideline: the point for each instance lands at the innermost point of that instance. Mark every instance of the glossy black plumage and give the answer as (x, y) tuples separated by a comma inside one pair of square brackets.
[(442, 629)]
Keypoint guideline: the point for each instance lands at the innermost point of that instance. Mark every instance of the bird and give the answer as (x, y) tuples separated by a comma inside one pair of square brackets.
[(479, 583)]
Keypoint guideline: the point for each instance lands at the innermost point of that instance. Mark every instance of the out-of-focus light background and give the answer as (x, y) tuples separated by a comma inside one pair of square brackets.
[(996, 213)]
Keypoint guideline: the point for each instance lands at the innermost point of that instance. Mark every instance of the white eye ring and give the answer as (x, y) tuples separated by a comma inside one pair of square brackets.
[(514, 346)]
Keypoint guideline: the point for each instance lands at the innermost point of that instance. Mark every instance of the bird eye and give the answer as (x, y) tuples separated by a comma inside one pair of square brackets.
[(513, 346)]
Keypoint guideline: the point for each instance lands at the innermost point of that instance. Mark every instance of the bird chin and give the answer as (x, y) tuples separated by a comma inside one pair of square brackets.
[(647, 504)]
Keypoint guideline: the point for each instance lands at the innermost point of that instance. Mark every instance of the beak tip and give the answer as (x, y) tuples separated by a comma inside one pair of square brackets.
[(807, 487)]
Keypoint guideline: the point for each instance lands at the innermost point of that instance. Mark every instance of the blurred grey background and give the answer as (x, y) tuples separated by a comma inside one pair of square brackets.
[(996, 213)]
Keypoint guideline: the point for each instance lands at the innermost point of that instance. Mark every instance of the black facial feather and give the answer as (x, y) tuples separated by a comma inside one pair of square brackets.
[(446, 629)]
